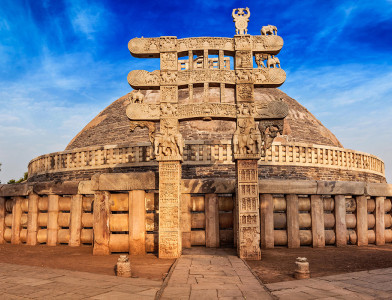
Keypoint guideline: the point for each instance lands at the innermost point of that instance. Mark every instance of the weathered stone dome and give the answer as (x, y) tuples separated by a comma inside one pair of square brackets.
[(111, 126)]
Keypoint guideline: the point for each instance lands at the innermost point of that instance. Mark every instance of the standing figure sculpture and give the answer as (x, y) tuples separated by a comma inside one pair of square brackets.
[(241, 20)]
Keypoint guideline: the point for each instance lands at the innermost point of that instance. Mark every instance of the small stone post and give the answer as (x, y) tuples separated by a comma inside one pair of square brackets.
[(340, 220), (16, 220), (53, 214), (32, 220), (267, 221), (75, 225), (380, 221), (123, 267), (302, 268), (136, 223), (212, 220), (2, 219), (362, 222), (185, 224), (101, 223), (293, 240), (317, 212)]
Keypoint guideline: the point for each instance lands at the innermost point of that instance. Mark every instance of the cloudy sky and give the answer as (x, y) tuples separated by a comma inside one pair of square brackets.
[(63, 61)]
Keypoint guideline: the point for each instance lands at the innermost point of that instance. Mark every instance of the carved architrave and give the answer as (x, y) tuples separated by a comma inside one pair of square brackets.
[(243, 60), (144, 79), (272, 110), (145, 47), (169, 94), (247, 204), (168, 44), (244, 76), (245, 92), (143, 111), (168, 77), (169, 212), (202, 110)]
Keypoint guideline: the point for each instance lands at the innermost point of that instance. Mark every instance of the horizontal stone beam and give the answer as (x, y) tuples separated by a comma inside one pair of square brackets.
[(56, 188), (152, 47), (269, 77), (16, 189), (379, 189), (126, 181), (208, 186)]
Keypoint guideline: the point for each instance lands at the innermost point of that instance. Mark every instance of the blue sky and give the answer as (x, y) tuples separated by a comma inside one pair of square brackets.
[(62, 62)]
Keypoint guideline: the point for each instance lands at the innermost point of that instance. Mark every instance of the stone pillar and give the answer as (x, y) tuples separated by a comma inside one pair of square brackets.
[(247, 206), (185, 223), (362, 222), (2, 219), (380, 222), (212, 220), (101, 223), (16, 220), (221, 67), (293, 240), (75, 225), (32, 220), (53, 214), (340, 220), (267, 221), (190, 67), (317, 212), (137, 222), (169, 209)]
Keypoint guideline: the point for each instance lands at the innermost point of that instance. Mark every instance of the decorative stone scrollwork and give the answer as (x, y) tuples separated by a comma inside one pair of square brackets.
[(246, 140), (169, 77), (168, 43), (277, 109), (245, 92), (269, 130), (269, 29), (206, 110), (241, 19), (143, 111), (169, 61), (169, 94), (243, 42)]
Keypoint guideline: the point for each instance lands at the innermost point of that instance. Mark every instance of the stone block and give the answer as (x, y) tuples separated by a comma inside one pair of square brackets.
[(379, 189), (57, 188), (86, 187), (16, 189), (340, 188), (127, 181), (208, 186), (287, 186)]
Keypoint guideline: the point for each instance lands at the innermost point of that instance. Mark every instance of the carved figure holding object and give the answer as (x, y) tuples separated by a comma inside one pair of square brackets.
[(241, 20), (271, 29)]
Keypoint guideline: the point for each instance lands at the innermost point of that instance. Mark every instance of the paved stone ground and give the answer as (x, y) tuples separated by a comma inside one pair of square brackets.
[(374, 284), (206, 273), (26, 282)]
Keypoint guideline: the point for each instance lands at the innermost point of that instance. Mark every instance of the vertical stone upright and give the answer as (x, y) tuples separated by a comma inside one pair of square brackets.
[(169, 209), (246, 144), (169, 147)]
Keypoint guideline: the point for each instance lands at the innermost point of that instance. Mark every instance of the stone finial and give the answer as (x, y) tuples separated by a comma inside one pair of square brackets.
[(241, 20), (302, 268), (123, 267)]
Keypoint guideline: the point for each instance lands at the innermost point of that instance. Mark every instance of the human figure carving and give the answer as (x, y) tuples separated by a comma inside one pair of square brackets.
[(271, 29), (246, 138), (260, 58), (241, 20), (268, 134)]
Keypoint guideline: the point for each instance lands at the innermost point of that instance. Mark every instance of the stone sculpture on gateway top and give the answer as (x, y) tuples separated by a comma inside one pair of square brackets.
[(258, 123)]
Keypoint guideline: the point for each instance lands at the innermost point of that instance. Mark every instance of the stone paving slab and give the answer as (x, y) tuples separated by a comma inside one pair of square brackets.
[(27, 282), (374, 284), (209, 273)]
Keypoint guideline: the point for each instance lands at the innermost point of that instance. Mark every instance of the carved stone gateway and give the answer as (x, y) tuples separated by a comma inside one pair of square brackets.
[(258, 123)]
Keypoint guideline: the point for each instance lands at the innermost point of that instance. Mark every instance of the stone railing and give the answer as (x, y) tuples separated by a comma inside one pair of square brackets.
[(204, 153)]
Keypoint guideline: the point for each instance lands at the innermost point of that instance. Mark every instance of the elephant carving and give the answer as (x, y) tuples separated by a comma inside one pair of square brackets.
[(136, 97), (269, 29), (273, 62)]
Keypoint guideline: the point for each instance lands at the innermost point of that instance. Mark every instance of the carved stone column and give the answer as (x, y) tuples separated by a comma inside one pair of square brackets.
[(247, 151), (168, 150)]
